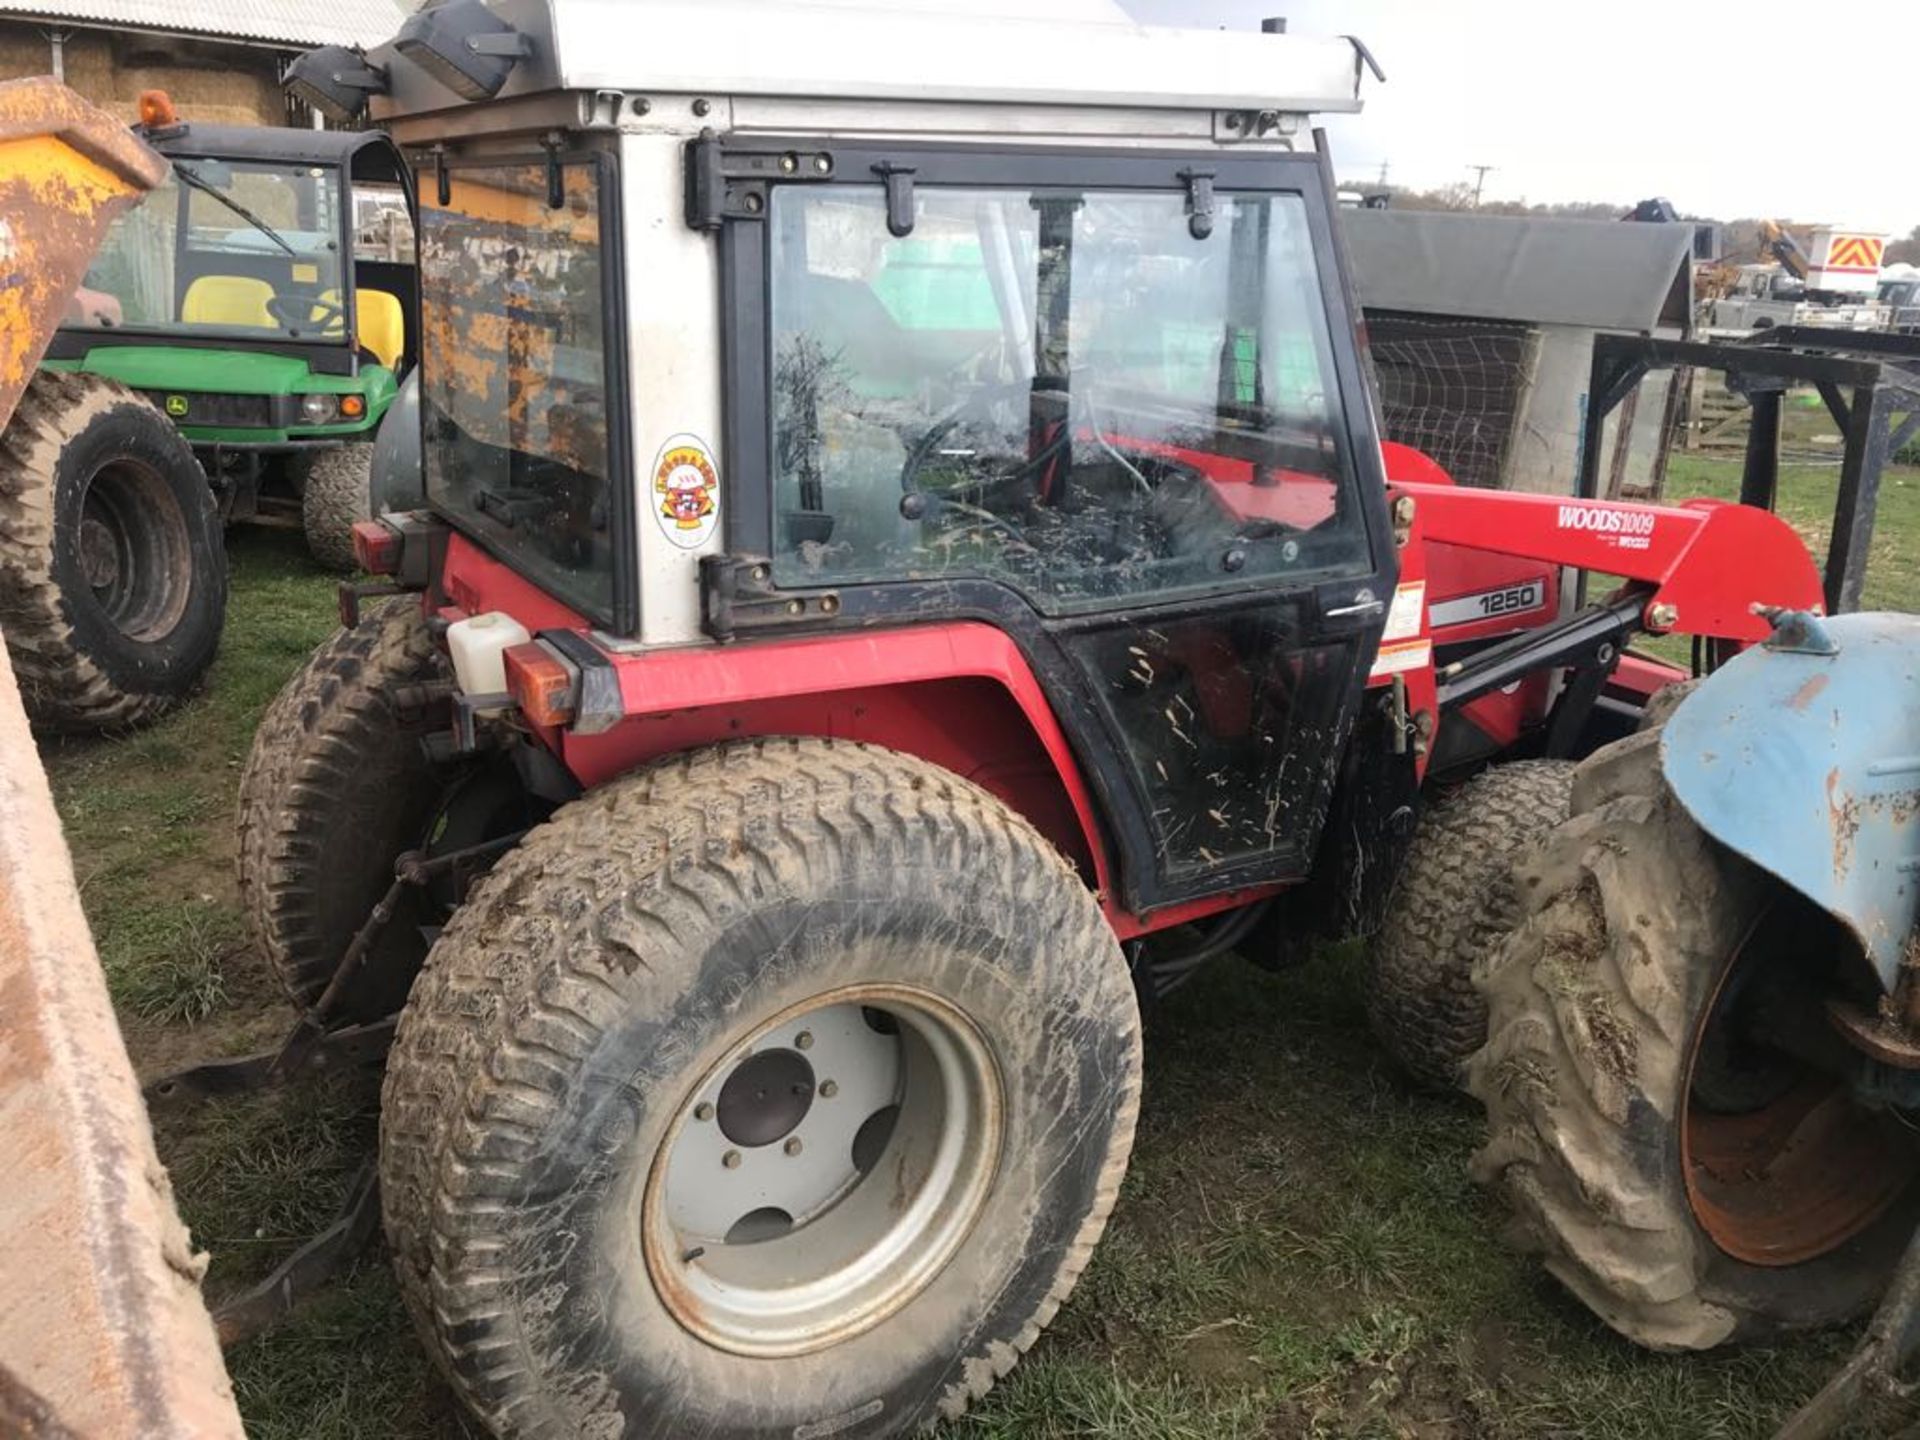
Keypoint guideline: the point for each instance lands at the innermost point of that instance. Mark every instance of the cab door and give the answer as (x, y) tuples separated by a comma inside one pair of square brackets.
[(1112, 404)]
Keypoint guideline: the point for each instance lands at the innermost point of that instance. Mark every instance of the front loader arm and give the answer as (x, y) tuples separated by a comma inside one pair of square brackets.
[(1709, 562)]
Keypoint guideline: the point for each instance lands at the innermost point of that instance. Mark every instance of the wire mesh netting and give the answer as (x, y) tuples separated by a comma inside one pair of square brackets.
[(1503, 404), (1454, 389)]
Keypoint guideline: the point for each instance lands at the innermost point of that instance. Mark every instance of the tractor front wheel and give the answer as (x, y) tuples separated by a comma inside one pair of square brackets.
[(1670, 1117), (1452, 905), (113, 571), (780, 1090)]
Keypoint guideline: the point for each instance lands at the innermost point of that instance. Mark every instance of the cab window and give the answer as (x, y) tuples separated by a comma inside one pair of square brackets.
[(1069, 392)]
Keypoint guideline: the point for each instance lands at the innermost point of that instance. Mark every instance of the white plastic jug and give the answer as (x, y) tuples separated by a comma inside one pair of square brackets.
[(478, 644)]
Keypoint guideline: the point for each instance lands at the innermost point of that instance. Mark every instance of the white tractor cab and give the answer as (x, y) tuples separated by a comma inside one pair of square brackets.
[(582, 150)]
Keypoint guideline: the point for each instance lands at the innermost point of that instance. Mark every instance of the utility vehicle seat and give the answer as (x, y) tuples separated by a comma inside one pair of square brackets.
[(383, 326), (229, 300), (383, 323)]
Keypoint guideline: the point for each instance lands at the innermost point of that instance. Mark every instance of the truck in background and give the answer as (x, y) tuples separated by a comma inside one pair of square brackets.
[(1831, 283)]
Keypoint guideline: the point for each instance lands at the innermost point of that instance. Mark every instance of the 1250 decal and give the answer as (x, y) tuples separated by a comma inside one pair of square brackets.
[(1489, 604)]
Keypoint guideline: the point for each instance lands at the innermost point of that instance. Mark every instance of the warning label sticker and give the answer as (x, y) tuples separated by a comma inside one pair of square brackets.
[(1399, 659), (1403, 617)]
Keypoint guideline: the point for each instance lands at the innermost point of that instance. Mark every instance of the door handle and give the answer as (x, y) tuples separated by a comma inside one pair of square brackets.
[(1362, 607)]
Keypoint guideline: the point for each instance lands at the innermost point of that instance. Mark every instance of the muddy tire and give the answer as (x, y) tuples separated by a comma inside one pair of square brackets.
[(561, 1172), (334, 789), (1454, 904), (113, 571), (1664, 702), (336, 493), (1607, 1101)]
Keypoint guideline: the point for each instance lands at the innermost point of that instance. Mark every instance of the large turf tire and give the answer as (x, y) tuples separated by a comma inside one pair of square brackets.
[(334, 789), (555, 1036), (335, 494), (1632, 914), (113, 571), (1453, 904)]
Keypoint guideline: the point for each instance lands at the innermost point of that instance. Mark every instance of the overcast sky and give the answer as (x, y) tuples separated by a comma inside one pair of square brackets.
[(1760, 108)]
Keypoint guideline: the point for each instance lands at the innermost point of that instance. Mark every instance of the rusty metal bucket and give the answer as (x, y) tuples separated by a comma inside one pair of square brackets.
[(103, 1334), (66, 169)]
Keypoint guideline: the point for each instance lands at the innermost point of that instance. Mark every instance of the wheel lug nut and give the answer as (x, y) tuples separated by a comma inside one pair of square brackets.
[(829, 1089), (804, 1040), (703, 1111), (792, 1147), (731, 1159)]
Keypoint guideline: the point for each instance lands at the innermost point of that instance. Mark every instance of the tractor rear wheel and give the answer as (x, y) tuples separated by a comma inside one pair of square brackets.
[(780, 1090), (335, 493), (1453, 904), (334, 789), (1667, 1118), (113, 570)]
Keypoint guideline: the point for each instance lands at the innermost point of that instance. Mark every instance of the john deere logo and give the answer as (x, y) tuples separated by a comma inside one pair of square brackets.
[(177, 406)]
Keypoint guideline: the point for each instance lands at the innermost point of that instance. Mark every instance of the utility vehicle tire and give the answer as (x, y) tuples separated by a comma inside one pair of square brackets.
[(337, 493), (1688, 1186), (334, 790), (1455, 903), (794, 933), (113, 569)]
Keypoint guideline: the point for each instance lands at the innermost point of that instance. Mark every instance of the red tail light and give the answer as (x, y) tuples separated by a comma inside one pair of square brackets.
[(376, 547), (541, 683)]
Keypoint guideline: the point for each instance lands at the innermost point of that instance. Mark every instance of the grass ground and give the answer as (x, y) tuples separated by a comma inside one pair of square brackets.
[(1297, 1251)]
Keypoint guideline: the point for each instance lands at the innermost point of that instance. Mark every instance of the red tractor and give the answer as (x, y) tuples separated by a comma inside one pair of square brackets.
[(907, 569)]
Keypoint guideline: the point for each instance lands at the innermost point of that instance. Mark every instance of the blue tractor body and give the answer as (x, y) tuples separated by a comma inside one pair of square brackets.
[(1803, 756)]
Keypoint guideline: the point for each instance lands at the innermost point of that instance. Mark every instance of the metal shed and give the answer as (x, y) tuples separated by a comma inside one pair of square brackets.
[(1483, 326), (220, 60)]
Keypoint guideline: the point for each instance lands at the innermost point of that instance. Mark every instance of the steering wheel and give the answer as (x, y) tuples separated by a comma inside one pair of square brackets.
[(979, 404), (312, 314)]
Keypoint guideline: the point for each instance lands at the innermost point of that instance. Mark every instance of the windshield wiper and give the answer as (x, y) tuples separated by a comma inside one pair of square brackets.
[(207, 187)]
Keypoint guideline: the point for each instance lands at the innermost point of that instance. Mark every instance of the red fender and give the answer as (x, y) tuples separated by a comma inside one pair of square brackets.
[(959, 695)]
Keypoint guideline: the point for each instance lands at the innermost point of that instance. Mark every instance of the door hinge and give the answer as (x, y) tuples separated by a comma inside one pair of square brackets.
[(725, 182), (737, 595)]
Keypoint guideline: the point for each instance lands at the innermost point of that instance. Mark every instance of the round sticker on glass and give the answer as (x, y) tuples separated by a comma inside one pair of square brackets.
[(686, 491)]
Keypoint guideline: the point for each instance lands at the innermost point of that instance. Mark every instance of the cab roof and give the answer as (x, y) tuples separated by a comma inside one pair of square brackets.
[(1076, 53)]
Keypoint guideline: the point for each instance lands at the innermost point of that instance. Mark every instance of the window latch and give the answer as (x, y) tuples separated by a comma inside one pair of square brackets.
[(899, 182), (1199, 185)]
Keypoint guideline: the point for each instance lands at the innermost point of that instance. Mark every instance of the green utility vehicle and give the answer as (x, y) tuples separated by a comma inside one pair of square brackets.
[(262, 299), (229, 356)]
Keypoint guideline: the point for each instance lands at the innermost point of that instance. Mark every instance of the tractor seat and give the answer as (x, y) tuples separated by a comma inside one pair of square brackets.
[(228, 300), (383, 323)]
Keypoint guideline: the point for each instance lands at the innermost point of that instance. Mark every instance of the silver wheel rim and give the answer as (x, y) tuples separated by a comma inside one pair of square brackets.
[(824, 1171)]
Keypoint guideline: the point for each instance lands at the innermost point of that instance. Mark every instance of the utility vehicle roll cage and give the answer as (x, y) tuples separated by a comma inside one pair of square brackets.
[(355, 156)]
